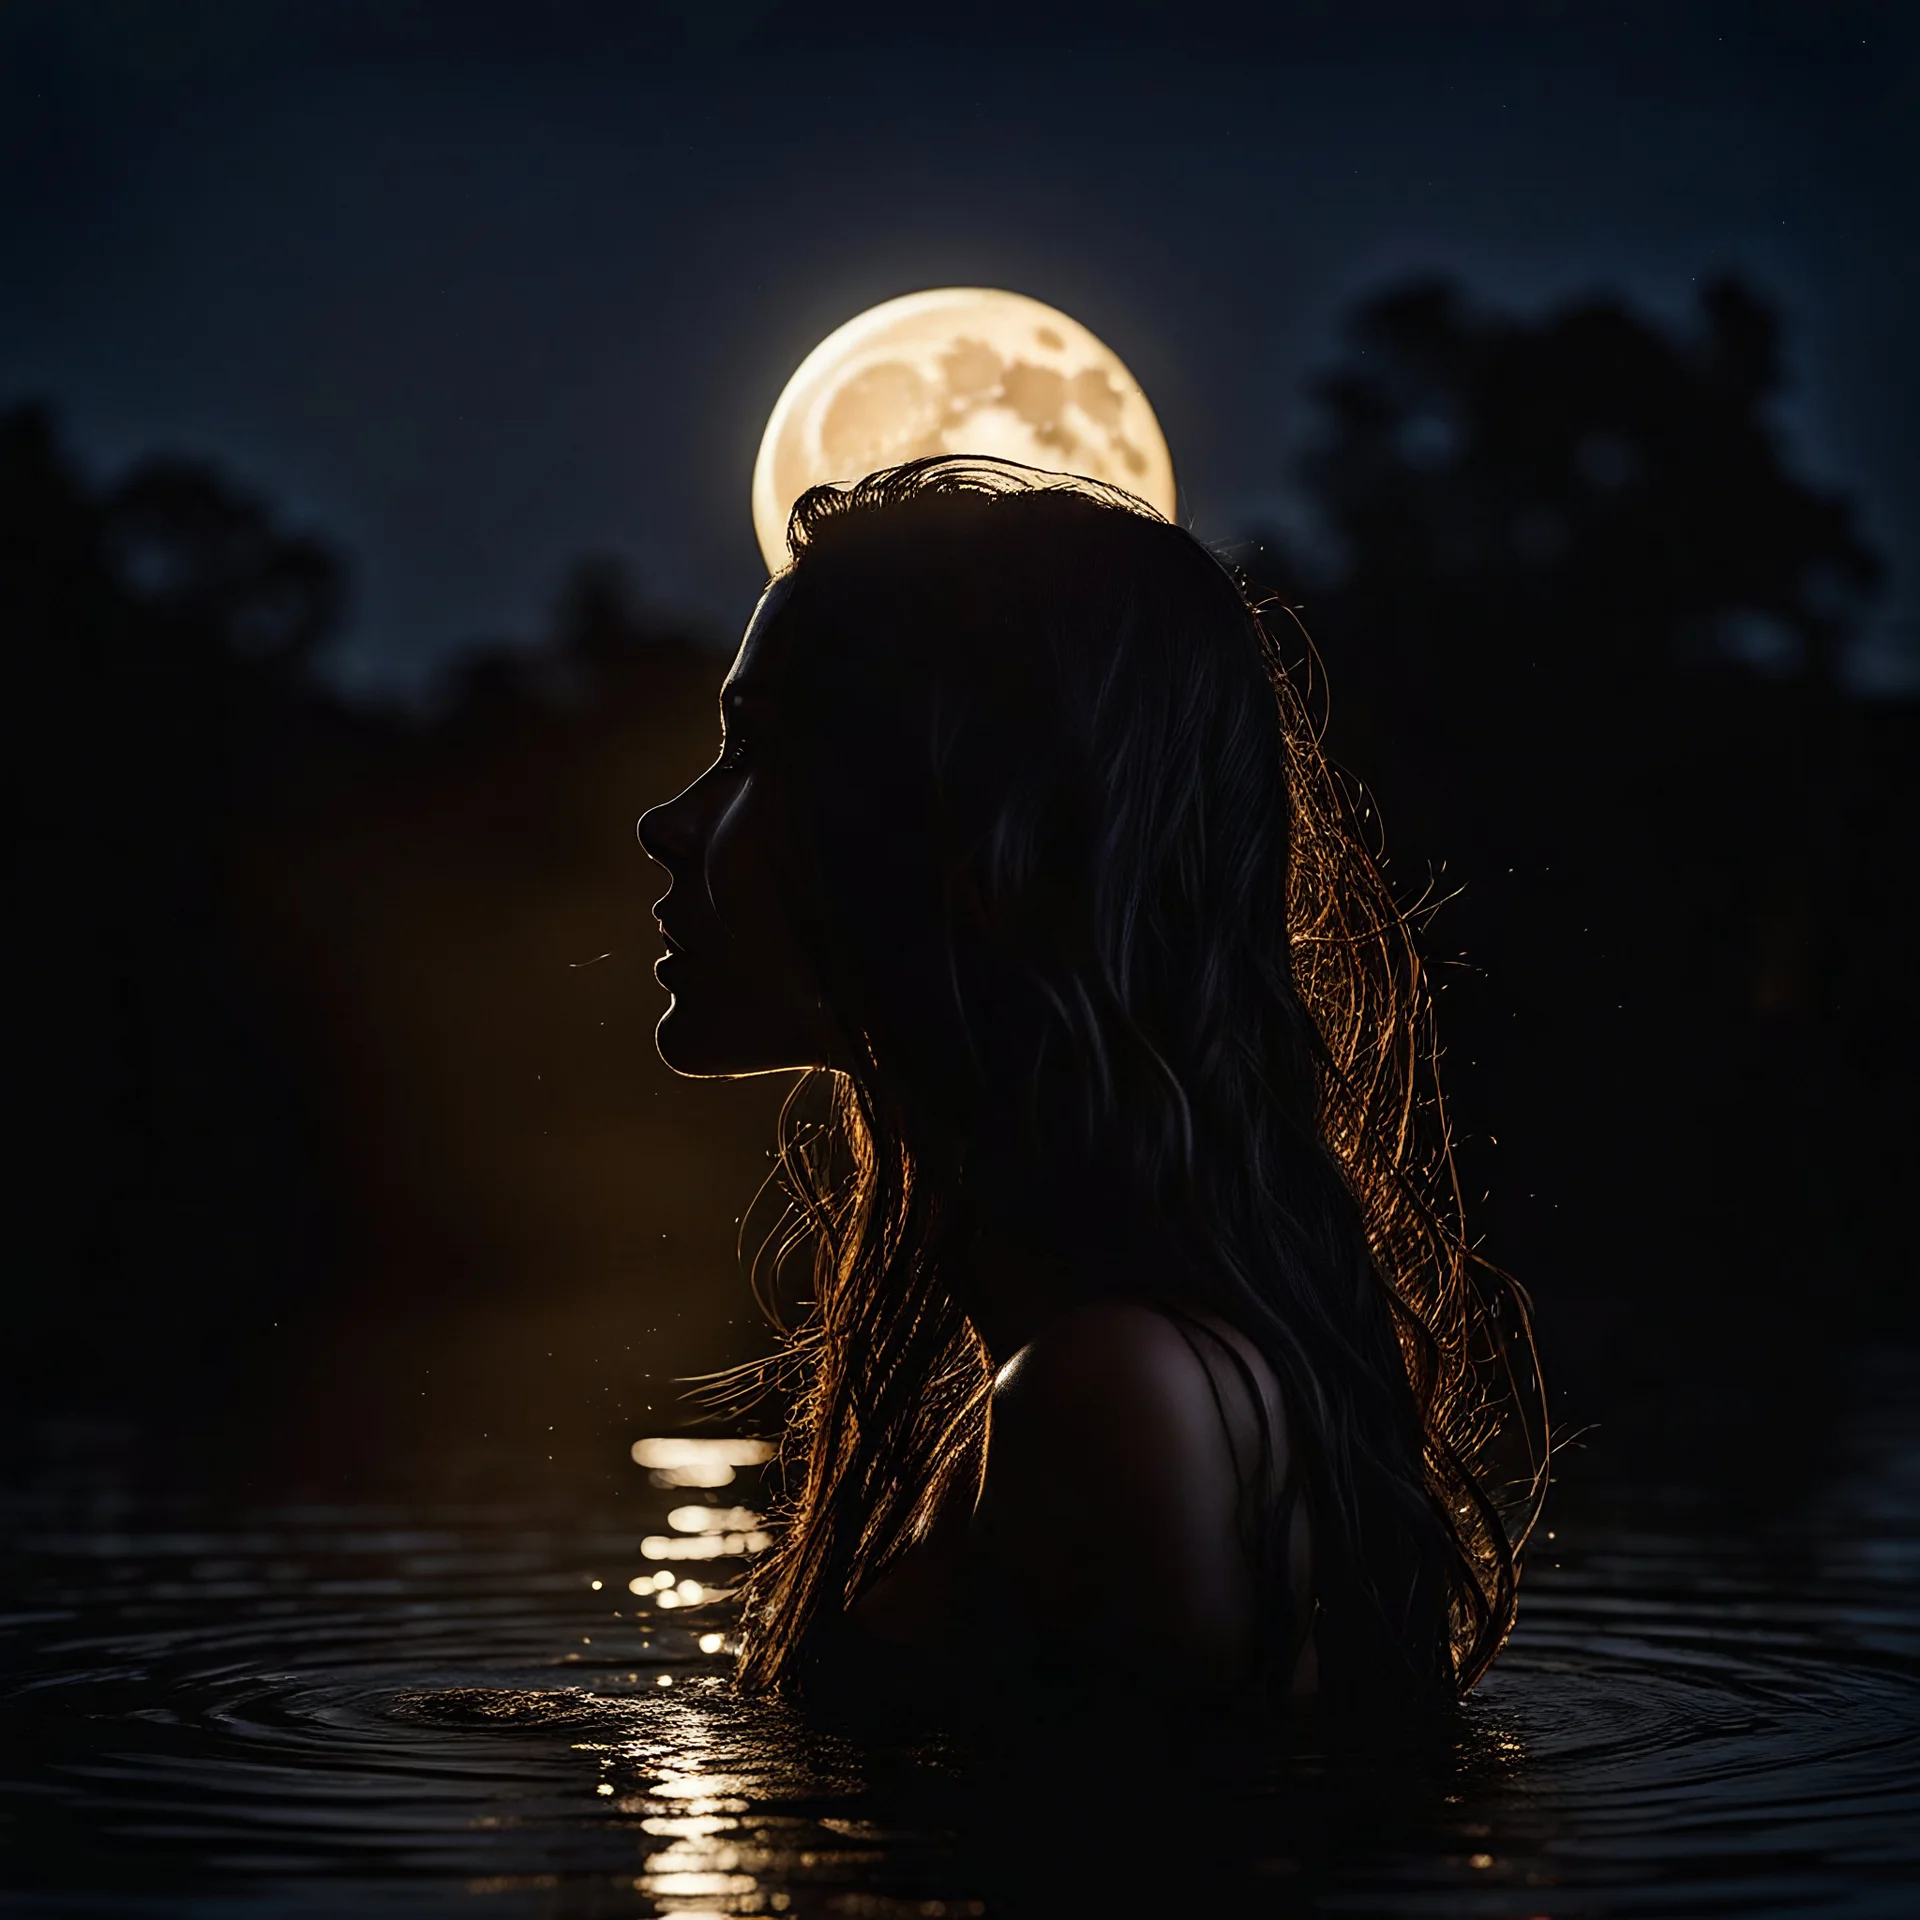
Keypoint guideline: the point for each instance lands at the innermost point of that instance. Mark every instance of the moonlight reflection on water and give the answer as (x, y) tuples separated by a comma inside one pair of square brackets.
[(309, 1708)]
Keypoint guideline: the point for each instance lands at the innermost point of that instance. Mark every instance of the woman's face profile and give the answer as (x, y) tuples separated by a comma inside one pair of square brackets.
[(743, 995)]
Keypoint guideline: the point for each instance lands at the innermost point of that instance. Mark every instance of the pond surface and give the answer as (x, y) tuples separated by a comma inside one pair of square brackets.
[(417, 1708)]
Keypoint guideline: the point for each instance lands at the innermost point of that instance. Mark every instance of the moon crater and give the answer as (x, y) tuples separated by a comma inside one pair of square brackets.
[(957, 370)]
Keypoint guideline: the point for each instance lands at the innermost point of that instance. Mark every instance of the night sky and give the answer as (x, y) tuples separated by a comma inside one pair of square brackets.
[(469, 289)]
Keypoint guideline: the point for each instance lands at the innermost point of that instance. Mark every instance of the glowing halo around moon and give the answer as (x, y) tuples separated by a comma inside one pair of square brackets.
[(956, 370)]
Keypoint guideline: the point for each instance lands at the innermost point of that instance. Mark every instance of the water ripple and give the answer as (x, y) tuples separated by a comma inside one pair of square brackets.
[(361, 1710)]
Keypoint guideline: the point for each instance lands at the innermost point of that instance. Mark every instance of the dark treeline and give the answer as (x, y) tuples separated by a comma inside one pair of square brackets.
[(1586, 643), (332, 1104), (165, 1172), (333, 1141)]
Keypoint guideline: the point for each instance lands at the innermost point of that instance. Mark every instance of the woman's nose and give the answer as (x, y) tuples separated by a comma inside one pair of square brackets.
[(658, 832)]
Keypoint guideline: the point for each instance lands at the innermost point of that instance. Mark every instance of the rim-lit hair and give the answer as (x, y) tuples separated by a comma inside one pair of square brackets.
[(1119, 973)]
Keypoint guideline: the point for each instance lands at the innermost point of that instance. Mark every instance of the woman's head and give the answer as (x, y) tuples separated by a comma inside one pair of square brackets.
[(1001, 811), (1021, 833)]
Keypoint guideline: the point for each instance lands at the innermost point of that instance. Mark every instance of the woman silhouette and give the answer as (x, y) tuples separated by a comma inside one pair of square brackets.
[(1142, 1339)]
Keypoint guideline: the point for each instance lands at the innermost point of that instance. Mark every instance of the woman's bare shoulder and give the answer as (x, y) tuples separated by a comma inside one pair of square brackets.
[(1105, 1355), (1114, 1441), (1123, 1369), (1113, 1486)]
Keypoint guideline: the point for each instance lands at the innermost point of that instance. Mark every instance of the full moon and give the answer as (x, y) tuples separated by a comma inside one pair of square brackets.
[(956, 370)]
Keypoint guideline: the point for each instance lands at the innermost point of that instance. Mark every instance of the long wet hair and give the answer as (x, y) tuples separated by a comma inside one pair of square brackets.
[(1119, 974)]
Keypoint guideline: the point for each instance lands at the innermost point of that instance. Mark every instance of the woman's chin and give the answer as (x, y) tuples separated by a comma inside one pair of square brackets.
[(686, 1045), (701, 1049)]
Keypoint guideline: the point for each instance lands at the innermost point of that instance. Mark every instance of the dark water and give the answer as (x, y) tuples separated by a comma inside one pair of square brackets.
[(429, 1708)]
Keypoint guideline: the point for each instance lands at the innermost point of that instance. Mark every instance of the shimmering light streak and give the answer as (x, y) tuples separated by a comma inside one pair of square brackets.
[(684, 1462), (713, 1519), (704, 1546)]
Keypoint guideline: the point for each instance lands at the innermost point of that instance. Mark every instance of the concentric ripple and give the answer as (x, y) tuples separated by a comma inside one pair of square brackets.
[(368, 1710)]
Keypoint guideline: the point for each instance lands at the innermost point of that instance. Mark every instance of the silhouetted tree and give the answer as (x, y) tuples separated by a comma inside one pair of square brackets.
[(1585, 629), (160, 634), (294, 1017)]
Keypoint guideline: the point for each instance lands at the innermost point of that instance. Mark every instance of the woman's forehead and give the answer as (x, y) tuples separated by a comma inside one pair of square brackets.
[(750, 664)]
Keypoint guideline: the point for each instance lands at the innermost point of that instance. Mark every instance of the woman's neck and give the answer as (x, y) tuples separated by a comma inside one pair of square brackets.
[(1010, 1290)]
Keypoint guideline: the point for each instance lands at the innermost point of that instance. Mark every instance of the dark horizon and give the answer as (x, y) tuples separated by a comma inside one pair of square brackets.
[(332, 979)]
